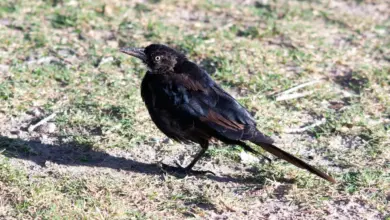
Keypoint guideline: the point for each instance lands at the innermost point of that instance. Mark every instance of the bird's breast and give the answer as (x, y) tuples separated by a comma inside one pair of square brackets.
[(160, 92)]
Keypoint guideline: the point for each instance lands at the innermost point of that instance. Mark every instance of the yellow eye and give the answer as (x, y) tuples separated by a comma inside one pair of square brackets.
[(157, 58)]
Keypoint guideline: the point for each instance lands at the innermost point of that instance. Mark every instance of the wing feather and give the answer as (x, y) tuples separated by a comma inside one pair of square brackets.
[(209, 103)]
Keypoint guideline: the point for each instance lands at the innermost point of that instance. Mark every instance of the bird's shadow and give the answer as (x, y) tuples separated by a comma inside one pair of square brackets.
[(73, 154)]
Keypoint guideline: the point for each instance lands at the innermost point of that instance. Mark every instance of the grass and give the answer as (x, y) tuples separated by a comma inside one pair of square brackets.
[(62, 56)]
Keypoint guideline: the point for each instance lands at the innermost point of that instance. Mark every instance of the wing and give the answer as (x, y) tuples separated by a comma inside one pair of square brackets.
[(210, 104)]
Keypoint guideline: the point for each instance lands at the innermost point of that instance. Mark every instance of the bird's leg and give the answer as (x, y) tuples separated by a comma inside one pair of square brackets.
[(188, 168), (193, 162)]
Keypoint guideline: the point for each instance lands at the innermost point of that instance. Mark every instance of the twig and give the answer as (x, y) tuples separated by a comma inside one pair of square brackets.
[(41, 122), (288, 91), (300, 130), (293, 96), (59, 57), (227, 207)]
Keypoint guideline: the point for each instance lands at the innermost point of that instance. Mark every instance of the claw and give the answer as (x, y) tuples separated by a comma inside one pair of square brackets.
[(184, 170), (201, 172)]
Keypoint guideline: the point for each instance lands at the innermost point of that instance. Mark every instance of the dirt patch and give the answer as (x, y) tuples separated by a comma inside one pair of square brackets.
[(64, 157)]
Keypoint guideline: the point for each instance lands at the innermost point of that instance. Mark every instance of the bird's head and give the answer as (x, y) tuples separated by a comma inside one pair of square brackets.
[(158, 57)]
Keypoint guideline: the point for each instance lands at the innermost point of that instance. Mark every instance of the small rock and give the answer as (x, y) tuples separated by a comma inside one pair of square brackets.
[(44, 138), (4, 68), (35, 112), (167, 141), (247, 158), (344, 129), (110, 36), (112, 43), (51, 127), (47, 128), (109, 10), (106, 60)]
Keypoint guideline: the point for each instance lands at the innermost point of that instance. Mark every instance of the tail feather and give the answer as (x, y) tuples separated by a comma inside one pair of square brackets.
[(292, 159)]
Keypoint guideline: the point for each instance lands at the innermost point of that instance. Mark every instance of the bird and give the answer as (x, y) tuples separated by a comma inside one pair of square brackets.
[(188, 106)]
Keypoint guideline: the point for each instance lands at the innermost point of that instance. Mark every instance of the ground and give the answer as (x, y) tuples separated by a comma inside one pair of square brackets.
[(98, 155)]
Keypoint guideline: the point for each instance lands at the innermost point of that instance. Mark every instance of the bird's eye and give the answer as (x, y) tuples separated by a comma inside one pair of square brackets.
[(157, 58)]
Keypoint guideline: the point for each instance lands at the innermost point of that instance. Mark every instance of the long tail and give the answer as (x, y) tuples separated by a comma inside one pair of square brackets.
[(259, 140)]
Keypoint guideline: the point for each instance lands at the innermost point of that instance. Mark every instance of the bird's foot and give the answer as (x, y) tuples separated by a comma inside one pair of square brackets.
[(193, 172), (184, 170)]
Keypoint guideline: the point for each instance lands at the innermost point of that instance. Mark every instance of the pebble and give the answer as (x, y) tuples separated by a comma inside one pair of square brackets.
[(4, 68), (247, 158), (47, 128), (36, 112)]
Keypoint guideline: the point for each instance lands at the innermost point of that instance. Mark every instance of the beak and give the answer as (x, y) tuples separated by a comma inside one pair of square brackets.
[(135, 52)]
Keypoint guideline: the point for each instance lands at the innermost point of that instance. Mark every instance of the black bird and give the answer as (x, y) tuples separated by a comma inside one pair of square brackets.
[(188, 106)]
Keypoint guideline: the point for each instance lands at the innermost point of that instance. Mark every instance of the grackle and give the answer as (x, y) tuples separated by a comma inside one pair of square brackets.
[(188, 106)]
